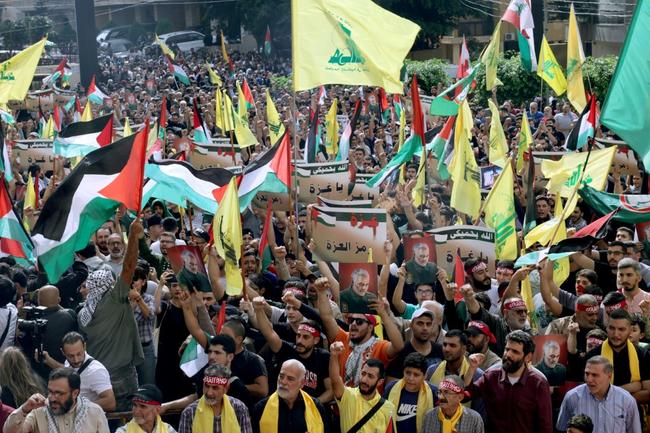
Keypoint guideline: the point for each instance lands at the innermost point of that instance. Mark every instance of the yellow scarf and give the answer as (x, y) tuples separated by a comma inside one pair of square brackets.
[(607, 351), (204, 418), (133, 427), (439, 374), (271, 414), (425, 401), (448, 425)]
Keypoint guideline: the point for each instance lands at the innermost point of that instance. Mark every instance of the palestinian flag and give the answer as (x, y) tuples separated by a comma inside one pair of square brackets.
[(81, 138), (7, 117), (105, 179), (194, 358), (95, 95), (179, 182), (248, 95), (384, 108), (14, 240), (442, 146), (632, 208), (447, 103), (267, 41), (322, 94), (346, 136), (270, 172), (5, 162), (201, 132), (178, 72), (585, 237), (585, 126), (62, 71), (397, 105), (312, 142)]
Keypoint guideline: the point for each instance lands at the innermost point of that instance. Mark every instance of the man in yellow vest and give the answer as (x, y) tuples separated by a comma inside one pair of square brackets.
[(146, 412), (215, 412), (290, 409)]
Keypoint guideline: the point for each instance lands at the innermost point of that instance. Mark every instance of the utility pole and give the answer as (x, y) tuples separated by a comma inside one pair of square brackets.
[(86, 39)]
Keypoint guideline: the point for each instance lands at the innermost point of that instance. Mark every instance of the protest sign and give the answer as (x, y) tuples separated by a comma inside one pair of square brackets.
[(349, 235), (326, 202), (27, 152), (361, 191), (330, 180), (551, 357), (217, 154), (358, 282), (472, 241), (420, 258), (279, 201), (187, 263)]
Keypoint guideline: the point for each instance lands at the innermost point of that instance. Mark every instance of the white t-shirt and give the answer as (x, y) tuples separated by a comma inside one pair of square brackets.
[(4, 317), (94, 379), (155, 247)]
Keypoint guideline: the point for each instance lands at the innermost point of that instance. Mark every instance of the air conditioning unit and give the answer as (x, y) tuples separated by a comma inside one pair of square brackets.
[(510, 37)]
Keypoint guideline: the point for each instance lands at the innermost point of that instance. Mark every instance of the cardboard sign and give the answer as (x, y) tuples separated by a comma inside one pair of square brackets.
[(329, 180), (473, 242)]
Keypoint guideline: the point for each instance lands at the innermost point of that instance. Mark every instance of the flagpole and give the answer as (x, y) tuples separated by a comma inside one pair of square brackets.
[(223, 122), (189, 216), (294, 180)]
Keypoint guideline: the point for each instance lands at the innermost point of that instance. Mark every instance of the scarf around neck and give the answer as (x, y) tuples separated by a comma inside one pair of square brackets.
[(357, 357)]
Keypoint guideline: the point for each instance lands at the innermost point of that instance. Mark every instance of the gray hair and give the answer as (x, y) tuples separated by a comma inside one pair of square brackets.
[(297, 364), (360, 272), (435, 307), (551, 344), (601, 360), (218, 370), (629, 263), (587, 299)]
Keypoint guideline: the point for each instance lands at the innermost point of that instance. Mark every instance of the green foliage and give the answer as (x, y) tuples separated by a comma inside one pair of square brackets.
[(429, 72), (14, 35), (257, 14), (280, 83), (597, 73), (163, 26), (519, 85)]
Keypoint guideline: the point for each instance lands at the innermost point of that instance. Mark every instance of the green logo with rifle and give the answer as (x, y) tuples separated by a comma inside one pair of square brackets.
[(4, 75), (348, 55)]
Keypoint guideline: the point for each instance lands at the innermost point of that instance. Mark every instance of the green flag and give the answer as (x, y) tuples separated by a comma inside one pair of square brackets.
[(627, 106), (633, 208)]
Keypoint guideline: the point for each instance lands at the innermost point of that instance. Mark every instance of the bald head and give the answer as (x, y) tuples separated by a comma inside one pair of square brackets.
[(48, 296)]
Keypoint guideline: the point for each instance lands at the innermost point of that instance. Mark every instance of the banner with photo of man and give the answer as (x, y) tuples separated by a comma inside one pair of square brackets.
[(187, 263), (472, 241), (349, 235), (420, 258), (359, 283)]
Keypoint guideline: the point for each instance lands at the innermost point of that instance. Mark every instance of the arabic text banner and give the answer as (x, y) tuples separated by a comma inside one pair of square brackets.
[(217, 154), (329, 180), (27, 152), (349, 235), (361, 191), (473, 242)]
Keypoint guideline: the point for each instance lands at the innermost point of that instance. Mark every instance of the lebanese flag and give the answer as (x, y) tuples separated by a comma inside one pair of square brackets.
[(14, 240), (95, 95), (464, 65), (248, 95), (81, 138), (270, 172), (520, 15), (104, 180)]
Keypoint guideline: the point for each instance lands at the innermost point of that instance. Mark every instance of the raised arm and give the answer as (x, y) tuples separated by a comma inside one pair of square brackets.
[(398, 302), (545, 288), (214, 273), (338, 387), (325, 310), (136, 231), (392, 331), (264, 325), (191, 322)]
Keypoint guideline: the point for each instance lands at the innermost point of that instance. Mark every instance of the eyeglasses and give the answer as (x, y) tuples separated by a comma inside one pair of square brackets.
[(357, 320)]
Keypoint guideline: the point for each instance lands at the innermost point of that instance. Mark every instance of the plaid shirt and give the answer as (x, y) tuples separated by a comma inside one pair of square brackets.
[(145, 324), (187, 417)]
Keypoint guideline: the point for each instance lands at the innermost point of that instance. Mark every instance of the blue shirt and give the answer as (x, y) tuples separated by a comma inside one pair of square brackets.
[(616, 413)]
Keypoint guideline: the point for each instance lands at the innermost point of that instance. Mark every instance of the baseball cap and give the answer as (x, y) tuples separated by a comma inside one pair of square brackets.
[(476, 327), (421, 312), (148, 394)]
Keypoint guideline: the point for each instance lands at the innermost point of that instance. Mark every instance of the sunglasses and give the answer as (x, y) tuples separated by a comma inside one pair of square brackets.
[(357, 320)]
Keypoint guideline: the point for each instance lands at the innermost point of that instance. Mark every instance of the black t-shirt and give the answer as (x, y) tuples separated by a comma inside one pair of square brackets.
[(606, 279), (622, 374), (396, 368), (289, 420), (317, 366), (248, 366)]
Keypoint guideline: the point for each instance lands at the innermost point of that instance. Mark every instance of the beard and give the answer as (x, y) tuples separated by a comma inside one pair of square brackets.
[(367, 391), (482, 286), (511, 366), (210, 401), (64, 407)]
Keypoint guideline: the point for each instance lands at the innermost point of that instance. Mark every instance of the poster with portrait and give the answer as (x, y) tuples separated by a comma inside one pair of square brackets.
[(329, 179), (420, 257), (472, 241), (187, 263), (551, 357), (358, 282)]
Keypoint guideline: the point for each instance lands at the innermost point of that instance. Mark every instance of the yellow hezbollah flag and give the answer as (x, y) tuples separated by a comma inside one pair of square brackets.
[(402, 126), (419, 193), (565, 173), (87, 115), (500, 214), (561, 267), (546, 232), (16, 74), (498, 144), (465, 193), (575, 58), (218, 111), (490, 59), (228, 123), (332, 130), (345, 42), (224, 52), (527, 297), (29, 200), (525, 140), (165, 49), (550, 70), (127, 128), (276, 127), (214, 78), (245, 136), (242, 111), (48, 131), (228, 237)]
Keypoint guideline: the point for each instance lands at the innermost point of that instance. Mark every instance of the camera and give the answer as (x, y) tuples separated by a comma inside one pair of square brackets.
[(32, 325)]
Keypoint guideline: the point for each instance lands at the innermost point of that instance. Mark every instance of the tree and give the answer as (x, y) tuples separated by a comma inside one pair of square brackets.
[(430, 73), (257, 14), (597, 73)]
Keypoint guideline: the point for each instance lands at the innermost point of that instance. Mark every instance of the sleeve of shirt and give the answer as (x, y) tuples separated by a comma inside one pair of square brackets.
[(17, 423), (185, 425), (566, 412), (99, 381), (408, 312), (632, 421), (343, 337), (276, 313), (544, 410), (567, 300), (102, 424), (244, 419)]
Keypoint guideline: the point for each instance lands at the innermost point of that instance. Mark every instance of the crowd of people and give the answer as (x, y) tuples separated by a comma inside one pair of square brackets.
[(101, 348)]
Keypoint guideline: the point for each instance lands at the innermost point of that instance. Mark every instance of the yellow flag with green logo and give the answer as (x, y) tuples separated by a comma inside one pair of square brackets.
[(218, 111), (214, 78), (48, 131), (29, 200), (17, 73), (87, 114), (575, 89), (490, 59), (228, 237), (564, 174), (332, 130), (228, 113), (524, 143), (164, 48), (498, 145), (500, 214), (276, 127), (242, 111), (466, 192), (127, 128), (346, 42), (549, 69)]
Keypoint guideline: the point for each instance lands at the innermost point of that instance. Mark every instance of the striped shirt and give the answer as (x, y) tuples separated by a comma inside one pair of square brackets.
[(617, 412), (243, 418), (469, 422), (145, 324)]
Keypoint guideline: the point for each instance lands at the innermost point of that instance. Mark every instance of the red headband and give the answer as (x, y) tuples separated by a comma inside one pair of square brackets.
[(514, 303), (450, 385), (147, 402), (308, 328), (478, 267), (594, 341), (506, 270), (215, 380), (587, 308), (621, 305)]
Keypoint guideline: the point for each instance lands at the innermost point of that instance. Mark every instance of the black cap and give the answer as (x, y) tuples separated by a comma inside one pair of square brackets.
[(200, 233), (149, 394), (154, 220)]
